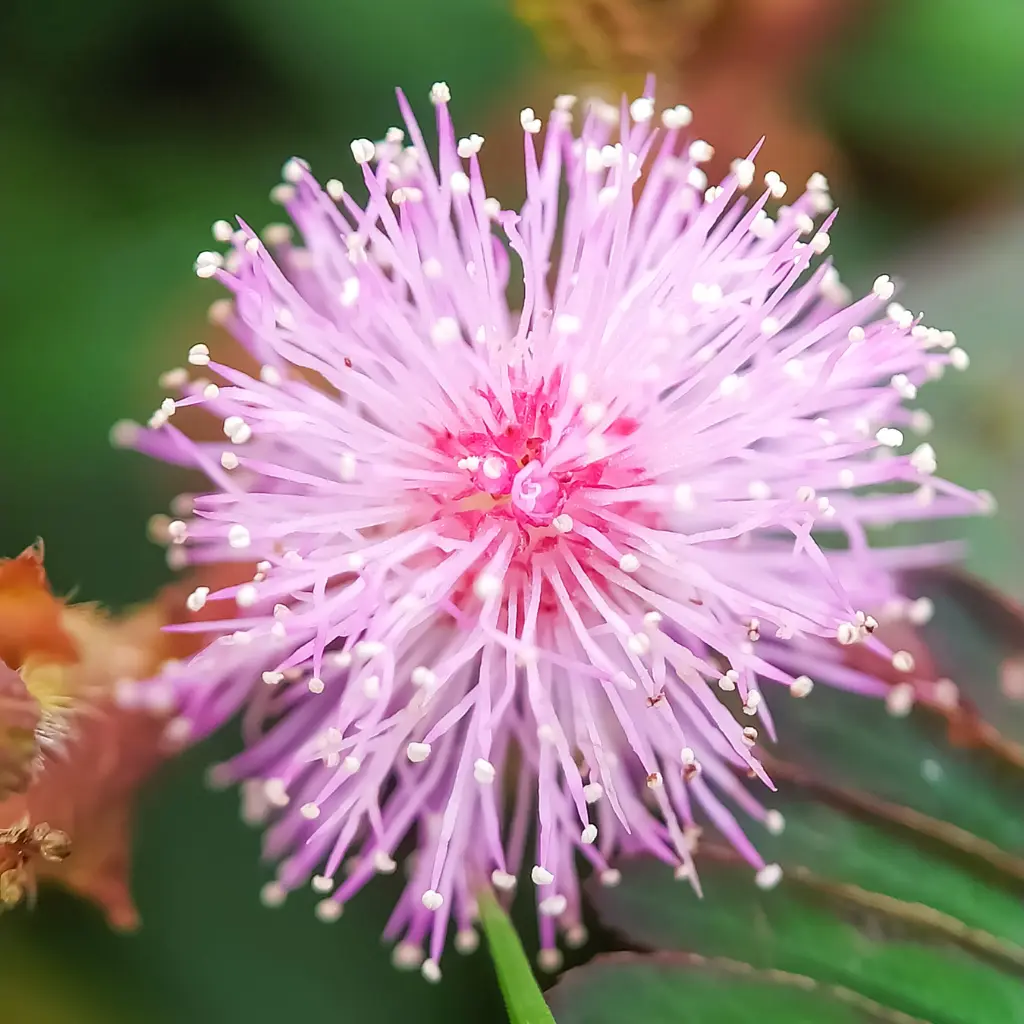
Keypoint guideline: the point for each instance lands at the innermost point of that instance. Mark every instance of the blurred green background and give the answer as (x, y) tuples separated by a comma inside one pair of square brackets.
[(129, 127)]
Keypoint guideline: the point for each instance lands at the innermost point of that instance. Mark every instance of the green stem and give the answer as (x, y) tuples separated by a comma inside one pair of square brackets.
[(523, 998)]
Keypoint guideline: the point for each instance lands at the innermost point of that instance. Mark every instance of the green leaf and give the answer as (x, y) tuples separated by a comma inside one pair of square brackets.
[(893, 956), (854, 750), (870, 864), (677, 988), (523, 997)]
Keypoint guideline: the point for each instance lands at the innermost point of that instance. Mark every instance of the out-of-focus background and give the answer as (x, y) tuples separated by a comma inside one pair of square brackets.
[(128, 128)]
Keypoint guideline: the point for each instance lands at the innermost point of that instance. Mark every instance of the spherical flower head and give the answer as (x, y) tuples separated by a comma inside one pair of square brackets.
[(536, 566)]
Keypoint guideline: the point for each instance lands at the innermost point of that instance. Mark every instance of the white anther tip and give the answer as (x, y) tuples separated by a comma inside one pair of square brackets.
[(541, 875), (768, 877)]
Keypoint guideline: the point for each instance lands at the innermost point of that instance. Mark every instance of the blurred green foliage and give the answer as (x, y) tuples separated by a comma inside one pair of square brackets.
[(938, 81), (128, 128)]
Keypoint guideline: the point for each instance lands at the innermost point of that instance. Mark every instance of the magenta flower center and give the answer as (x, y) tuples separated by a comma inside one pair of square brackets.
[(538, 470), (536, 496)]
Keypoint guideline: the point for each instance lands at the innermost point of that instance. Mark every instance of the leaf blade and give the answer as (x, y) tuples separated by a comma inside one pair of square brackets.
[(652, 987), (902, 962)]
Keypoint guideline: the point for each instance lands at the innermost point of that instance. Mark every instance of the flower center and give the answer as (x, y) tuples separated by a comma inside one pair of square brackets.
[(536, 497), (513, 485), (516, 469)]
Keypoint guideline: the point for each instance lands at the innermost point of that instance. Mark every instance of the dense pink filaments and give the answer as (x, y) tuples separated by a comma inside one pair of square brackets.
[(525, 572)]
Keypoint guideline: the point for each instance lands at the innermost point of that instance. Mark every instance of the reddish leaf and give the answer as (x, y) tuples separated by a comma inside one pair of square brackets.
[(91, 797), (19, 715), (20, 845), (976, 639), (968, 660), (30, 616), (87, 787)]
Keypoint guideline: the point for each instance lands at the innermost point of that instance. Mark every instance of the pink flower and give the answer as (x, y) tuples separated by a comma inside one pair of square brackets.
[(535, 569)]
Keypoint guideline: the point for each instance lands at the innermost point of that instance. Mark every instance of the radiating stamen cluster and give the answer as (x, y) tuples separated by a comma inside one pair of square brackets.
[(526, 569)]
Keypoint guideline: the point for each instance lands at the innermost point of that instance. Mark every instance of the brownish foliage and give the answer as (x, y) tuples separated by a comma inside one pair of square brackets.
[(19, 845), (743, 66), (74, 659), (30, 615), (87, 789), (19, 717)]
